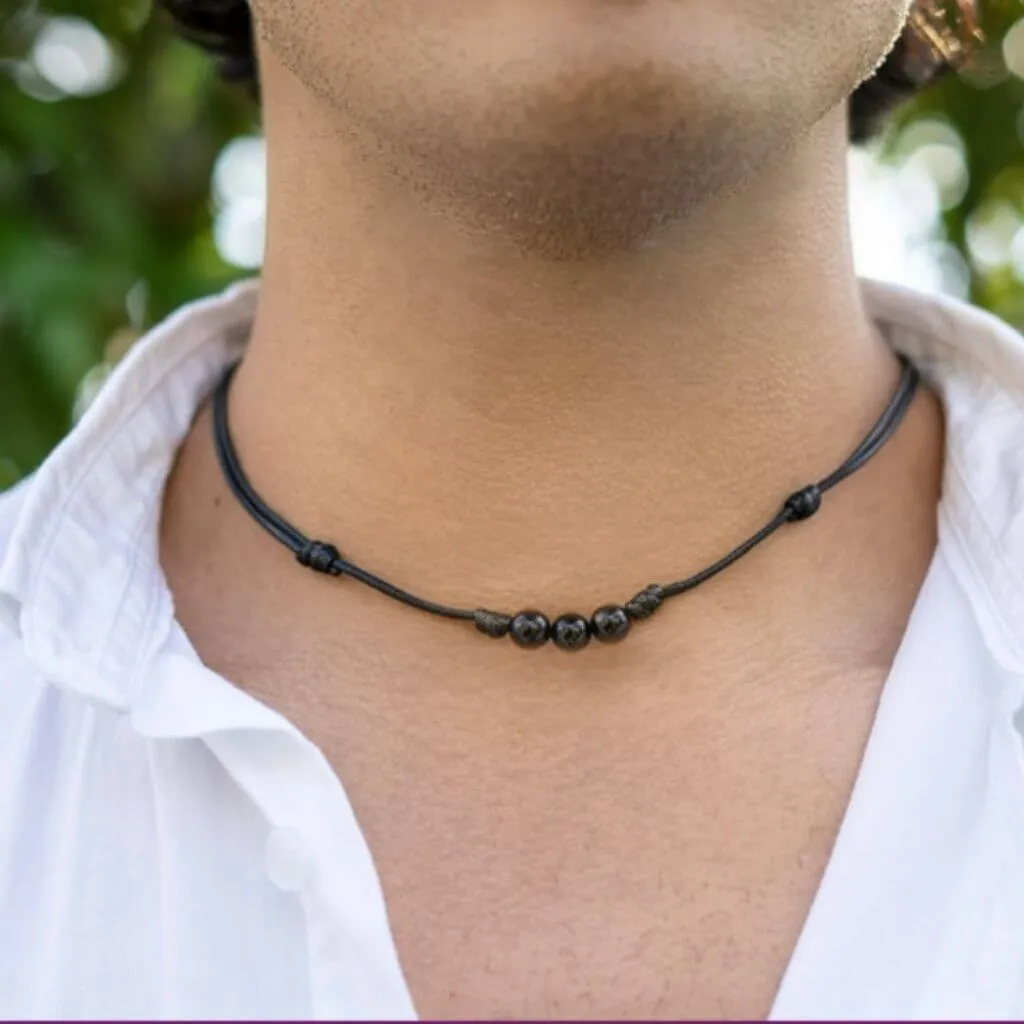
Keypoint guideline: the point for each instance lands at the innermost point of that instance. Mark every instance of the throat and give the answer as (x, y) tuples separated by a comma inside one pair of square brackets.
[(496, 491)]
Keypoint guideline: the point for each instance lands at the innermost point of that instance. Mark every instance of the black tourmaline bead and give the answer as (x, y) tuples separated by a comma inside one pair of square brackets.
[(646, 603), (571, 632), (530, 629), (803, 504), (492, 623), (610, 623), (320, 557)]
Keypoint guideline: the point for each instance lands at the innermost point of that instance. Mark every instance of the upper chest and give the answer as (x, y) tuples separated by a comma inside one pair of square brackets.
[(633, 855), (642, 841), (918, 914)]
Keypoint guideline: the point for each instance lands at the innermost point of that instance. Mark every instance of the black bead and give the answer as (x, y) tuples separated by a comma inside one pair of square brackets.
[(571, 632), (610, 623), (803, 504), (320, 557), (530, 629), (646, 603), (492, 623)]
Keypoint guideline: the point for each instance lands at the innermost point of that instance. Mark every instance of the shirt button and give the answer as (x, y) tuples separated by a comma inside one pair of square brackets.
[(287, 859)]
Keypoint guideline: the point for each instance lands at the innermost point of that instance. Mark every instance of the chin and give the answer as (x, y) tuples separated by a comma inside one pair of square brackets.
[(572, 198), (575, 128), (588, 161)]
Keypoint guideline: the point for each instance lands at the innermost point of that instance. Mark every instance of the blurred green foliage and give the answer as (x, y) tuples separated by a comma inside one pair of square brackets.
[(106, 212), (102, 197)]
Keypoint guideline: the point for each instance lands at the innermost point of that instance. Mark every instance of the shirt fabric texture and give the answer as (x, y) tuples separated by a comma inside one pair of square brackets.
[(172, 847)]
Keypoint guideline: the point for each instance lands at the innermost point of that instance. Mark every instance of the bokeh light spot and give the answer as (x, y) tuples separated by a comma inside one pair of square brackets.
[(75, 57)]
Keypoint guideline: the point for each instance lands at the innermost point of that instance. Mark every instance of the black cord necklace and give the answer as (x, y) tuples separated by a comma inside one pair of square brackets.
[(530, 629)]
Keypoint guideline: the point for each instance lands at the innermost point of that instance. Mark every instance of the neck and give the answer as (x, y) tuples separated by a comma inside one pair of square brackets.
[(477, 422)]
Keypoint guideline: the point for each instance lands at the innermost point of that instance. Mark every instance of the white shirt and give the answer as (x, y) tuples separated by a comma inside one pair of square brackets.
[(171, 847)]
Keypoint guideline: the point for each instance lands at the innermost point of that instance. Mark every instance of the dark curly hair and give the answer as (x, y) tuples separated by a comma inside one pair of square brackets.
[(224, 29)]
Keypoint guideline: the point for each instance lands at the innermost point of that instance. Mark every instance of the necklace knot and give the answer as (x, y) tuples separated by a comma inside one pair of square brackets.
[(646, 603), (320, 557), (803, 504)]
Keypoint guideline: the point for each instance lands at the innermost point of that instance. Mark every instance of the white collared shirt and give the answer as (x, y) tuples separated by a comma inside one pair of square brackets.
[(171, 847)]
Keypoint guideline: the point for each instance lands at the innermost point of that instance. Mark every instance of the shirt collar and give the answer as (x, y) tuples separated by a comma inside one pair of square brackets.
[(81, 573), (81, 579), (975, 361)]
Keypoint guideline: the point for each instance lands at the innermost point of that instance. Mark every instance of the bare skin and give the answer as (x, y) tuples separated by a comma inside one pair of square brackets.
[(605, 379)]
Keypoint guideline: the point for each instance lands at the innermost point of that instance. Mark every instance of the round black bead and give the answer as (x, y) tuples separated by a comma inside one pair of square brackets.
[(571, 632), (492, 623), (646, 603), (803, 504), (530, 629), (610, 623), (320, 557)]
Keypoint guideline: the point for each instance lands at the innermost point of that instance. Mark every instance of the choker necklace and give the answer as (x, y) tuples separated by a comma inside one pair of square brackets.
[(531, 629)]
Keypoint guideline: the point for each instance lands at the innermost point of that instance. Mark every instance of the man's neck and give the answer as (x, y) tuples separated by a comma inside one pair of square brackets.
[(445, 404), (483, 427)]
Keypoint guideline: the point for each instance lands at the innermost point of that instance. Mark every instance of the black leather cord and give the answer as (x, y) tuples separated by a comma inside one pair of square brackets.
[(530, 629), (883, 429), (306, 550)]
